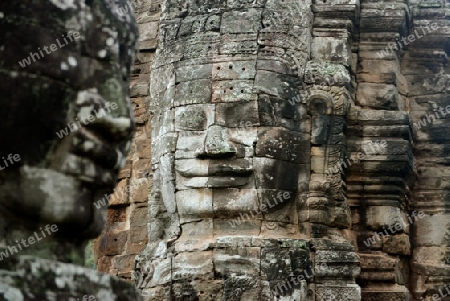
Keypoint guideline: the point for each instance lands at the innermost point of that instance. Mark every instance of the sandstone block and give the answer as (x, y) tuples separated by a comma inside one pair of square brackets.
[(377, 96), (247, 21), (192, 266)]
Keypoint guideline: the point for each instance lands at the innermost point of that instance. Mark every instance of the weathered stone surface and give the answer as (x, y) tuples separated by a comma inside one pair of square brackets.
[(379, 267), (380, 217), (282, 144), (432, 231), (334, 49), (56, 280), (377, 96), (194, 204), (193, 92), (254, 99), (193, 266), (397, 244), (378, 71), (326, 74), (67, 114), (239, 145), (244, 115), (240, 261), (233, 202), (337, 292)]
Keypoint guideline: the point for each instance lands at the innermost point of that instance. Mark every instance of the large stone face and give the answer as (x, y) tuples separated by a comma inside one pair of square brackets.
[(342, 105), (66, 129), (233, 202)]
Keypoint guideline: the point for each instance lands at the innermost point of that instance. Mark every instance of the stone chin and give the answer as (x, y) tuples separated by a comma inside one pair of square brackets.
[(214, 182), (47, 196)]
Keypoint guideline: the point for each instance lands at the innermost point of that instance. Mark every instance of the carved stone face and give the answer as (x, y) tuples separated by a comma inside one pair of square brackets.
[(237, 170), (231, 154), (226, 137), (67, 114), (240, 146)]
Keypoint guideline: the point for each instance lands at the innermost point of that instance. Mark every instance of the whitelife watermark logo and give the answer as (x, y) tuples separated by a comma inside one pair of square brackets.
[(124, 10), (370, 148), (430, 118), (291, 281), (11, 250), (442, 294), (11, 158), (72, 36), (86, 120), (394, 229), (281, 197), (404, 41), (120, 192), (283, 286)]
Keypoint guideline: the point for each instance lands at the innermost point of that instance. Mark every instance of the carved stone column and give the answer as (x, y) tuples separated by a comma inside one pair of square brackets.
[(330, 79), (427, 75), (380, 132)]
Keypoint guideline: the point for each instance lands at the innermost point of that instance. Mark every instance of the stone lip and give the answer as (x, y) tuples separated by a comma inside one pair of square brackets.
[(34, 279), (218, 170), (209, 173)]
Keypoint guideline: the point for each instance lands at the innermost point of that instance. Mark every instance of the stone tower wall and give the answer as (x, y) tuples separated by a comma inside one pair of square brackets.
[(125, 234), (390, 130)]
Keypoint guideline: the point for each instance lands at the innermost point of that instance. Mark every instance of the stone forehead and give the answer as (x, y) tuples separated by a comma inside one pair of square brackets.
[(85, 34)]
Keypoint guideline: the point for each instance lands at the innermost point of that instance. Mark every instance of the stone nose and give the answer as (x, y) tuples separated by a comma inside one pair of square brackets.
[(217, 144)]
